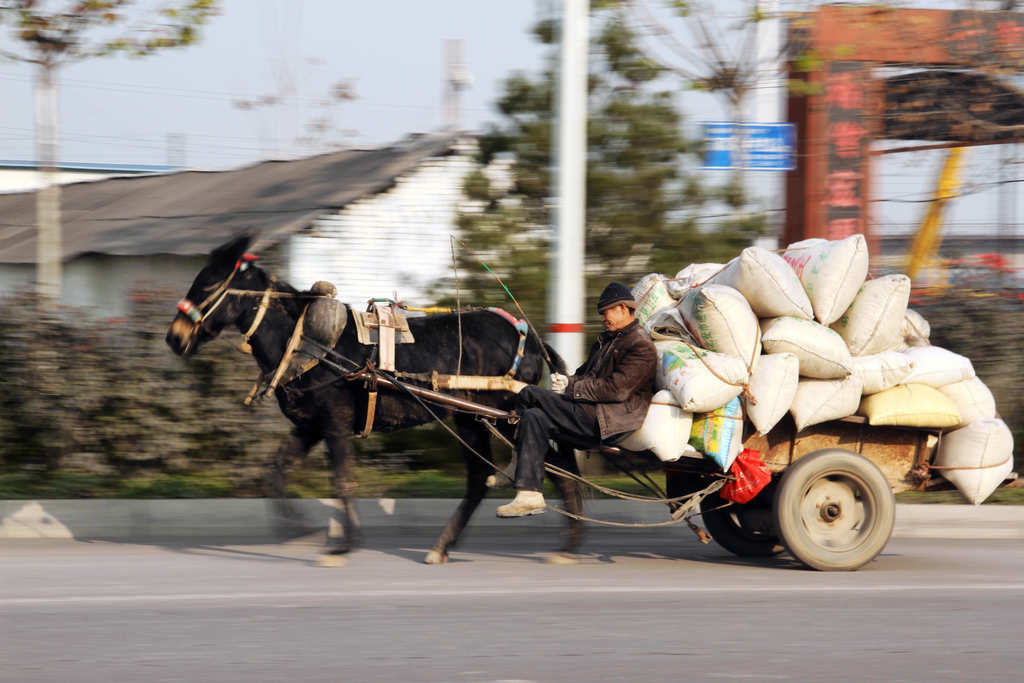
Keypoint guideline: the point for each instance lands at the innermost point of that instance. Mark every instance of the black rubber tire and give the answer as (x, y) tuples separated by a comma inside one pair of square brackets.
[(834, 510), (744, 530)]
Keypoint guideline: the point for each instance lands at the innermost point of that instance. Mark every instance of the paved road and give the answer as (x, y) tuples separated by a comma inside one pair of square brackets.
[(652, 606)]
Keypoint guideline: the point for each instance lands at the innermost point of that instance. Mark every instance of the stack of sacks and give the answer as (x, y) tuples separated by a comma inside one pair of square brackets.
[(808, 334)]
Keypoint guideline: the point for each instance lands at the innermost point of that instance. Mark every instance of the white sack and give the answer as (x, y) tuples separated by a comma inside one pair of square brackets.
[(691, 276), (936, 366), (702, 380), (881, 371), (822, 352), (665, 431), (768, 283), (985, 449), (721, 320), (973, 399), (662, 346), (831, 272), (821, 400), (772, 388), (874, 321), (916, 329), (651, 296), (667, 325)]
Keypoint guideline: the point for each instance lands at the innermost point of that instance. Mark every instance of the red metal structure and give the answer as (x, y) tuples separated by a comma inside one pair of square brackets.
[(949, 94)]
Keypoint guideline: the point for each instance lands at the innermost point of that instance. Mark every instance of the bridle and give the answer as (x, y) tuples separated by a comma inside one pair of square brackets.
[(195, 313), (198, 315)]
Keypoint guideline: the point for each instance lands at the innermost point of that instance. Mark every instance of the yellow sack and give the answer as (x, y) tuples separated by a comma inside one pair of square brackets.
[(910, 405)]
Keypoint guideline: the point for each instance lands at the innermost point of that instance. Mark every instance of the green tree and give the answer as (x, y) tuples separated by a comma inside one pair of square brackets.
[(55, 34), (642, 208)]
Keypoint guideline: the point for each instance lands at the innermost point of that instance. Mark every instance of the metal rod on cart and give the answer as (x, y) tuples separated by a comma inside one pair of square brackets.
[(422, 392), (455, 402)]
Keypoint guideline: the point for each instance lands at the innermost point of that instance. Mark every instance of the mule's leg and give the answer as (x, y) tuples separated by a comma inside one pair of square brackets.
[(294, 447), (275, 479), (477, 470), (572, 495), (343, 535)]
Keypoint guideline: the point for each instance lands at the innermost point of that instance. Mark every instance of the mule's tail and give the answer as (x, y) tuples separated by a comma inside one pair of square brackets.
[(555, 362)]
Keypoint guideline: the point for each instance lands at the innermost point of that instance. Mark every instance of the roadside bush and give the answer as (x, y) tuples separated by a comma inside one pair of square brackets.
[(92, 407), (109, 398)]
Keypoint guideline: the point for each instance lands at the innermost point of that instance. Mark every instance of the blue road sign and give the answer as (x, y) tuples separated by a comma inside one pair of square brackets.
[(765, 146)]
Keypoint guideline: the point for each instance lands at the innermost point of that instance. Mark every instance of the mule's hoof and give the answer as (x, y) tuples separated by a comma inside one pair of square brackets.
[(561, 558), (436, 557), (330, 561)]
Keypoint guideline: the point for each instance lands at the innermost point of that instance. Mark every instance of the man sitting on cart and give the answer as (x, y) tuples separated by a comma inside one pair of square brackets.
[(608, 396)]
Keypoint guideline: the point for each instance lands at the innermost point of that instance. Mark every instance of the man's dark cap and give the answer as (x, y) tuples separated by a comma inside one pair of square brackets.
[(615, 293)]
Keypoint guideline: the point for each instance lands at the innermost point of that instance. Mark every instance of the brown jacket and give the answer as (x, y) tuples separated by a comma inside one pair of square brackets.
[(618, 378)]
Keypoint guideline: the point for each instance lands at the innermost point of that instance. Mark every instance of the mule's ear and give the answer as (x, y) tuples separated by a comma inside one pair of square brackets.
[(229, 253)]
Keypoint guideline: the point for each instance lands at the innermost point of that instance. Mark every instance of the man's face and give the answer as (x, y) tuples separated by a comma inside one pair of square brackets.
[(616, 317)]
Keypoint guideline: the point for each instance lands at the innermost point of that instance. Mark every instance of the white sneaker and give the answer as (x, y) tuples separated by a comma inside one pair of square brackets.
[(524, 504)]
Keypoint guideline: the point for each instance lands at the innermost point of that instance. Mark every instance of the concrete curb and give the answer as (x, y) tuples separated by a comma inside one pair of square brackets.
[(258, 518)]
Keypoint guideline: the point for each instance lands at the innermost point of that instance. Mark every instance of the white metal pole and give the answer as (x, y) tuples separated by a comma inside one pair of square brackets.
[(768, 102), (566, 290), (768, 92)]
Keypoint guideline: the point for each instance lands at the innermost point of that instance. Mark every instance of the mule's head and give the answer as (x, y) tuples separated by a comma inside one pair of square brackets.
[(210, 306)]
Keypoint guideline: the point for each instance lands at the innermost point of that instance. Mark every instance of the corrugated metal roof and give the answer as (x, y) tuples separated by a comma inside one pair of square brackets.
[(192, 212)]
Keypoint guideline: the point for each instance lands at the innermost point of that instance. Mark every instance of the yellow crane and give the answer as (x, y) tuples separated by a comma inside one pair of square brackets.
[(926, 243)]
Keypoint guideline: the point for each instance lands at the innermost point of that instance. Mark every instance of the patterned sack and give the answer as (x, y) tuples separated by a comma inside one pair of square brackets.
[(719, 435)]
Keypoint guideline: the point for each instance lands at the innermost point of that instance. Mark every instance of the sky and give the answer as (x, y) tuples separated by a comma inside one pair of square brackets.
[(121, 110), (180, 107)]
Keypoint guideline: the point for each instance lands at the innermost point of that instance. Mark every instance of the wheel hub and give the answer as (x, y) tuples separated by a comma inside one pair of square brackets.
[(832, 512)]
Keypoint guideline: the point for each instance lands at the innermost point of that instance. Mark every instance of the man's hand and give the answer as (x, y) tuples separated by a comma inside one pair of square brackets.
[(559, 382)]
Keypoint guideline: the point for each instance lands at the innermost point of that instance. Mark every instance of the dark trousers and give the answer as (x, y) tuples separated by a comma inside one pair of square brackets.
[(543, 414)]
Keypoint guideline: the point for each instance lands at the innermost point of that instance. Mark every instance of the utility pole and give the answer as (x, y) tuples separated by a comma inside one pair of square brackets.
[(49, 258), (456, 79), (566, 280)]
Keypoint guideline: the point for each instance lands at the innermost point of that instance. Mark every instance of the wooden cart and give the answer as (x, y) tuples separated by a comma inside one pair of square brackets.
[(831, 500)]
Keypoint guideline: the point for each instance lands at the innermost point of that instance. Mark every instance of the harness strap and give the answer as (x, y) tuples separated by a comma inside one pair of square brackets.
[(293, 343), (371, 400), (371, 410), (522, 328), (245, 347)]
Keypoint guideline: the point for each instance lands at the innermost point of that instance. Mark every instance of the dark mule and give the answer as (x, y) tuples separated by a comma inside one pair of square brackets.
[(322, 406)]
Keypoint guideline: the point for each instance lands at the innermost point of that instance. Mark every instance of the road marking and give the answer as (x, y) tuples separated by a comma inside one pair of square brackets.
[(360, 594)]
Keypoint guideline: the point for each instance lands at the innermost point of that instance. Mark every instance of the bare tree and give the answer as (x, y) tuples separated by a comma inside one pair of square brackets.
[(54, 34)]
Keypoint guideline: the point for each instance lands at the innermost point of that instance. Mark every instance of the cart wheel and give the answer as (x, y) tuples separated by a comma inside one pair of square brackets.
[(834, 510), (744, 530)]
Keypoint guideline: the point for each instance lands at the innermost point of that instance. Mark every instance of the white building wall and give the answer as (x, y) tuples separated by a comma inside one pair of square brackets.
[(28, 179), (393, 243), (101, 285)]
